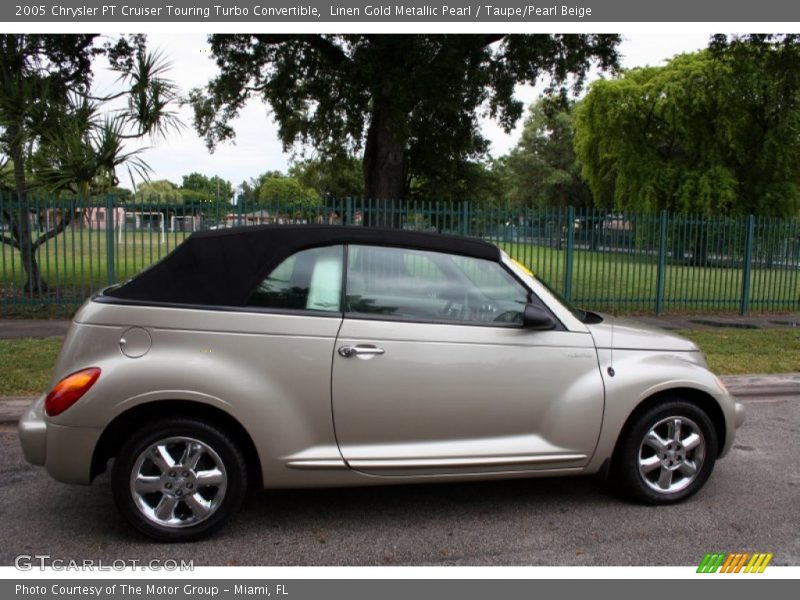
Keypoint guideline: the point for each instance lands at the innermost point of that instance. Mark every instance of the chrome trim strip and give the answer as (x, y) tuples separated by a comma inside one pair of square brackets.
[(476, 461), (319, 464)]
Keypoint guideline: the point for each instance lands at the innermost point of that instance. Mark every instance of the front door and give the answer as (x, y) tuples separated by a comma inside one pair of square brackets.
[(433, 372)]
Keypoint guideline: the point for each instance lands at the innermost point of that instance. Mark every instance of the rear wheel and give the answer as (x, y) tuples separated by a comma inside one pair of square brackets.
[(668, 453), (179, 479)]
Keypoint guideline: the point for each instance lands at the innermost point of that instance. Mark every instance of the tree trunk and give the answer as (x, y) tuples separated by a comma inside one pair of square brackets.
[(21, 229), (384, 167)]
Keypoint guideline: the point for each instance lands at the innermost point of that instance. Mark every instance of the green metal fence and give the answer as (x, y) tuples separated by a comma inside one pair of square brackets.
[(629, 262)]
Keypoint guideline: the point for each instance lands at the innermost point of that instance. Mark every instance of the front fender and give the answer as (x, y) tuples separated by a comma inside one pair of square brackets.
[(642, 374)]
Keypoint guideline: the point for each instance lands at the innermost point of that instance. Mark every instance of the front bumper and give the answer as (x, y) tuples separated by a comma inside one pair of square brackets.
[(65, 452), (738, 414), (734, 418)]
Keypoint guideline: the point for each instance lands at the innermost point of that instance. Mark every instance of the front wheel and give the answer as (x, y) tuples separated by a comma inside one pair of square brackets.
[(668, 453), (179, 479)]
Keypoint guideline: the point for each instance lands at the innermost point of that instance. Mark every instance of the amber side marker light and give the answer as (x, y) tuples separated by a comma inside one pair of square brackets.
[(69, 390)]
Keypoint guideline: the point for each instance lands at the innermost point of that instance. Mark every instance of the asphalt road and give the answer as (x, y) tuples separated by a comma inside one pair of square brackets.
[(751, 503)]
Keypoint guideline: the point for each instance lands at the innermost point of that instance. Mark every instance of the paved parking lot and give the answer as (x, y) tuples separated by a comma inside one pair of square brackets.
[(752, 503)]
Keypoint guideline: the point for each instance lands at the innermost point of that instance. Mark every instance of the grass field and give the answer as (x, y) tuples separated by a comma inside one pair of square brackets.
[(26, 364), (732, 351), (76, 263), (78, 260), (602, 280)]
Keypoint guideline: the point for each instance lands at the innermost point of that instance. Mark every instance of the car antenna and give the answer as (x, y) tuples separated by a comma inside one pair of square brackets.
[(610, 370)]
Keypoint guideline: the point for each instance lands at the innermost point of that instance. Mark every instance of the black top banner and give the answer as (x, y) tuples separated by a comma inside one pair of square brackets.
[(377, 11)]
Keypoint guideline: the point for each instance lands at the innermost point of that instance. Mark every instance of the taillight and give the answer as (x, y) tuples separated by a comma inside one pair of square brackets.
[(69, 390)]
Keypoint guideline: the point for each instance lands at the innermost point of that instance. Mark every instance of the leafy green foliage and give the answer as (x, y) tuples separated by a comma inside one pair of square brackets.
[(713, 132), (70, 144), (411, 102), (210, 195), (289, 194), (481, 183), (158, 190), (53, 132), (209, 189), (542, 169), (337, 177)]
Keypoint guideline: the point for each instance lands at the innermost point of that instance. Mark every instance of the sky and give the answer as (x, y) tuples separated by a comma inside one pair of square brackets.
[(256, 147)]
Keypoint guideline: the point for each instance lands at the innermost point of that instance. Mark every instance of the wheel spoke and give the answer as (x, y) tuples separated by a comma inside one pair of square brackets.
[(655, 441), (688, 468), (166, 508), (674, 429), (162, 458), (212, 477), (649, 464), (665, 478), (192, 454), (199, 506), (146, 484), (692, 441)]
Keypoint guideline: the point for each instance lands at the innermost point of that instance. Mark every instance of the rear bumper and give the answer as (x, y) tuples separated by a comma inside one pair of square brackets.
[(32, 431), (65, 452)]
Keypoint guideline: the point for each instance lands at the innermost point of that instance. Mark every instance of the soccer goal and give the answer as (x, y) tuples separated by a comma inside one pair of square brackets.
[(183, 223), (137, 223)]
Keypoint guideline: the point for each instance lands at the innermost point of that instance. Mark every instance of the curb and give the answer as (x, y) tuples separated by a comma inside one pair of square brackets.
[(741, 386), (763, 385), (765, 391), (12, 408)]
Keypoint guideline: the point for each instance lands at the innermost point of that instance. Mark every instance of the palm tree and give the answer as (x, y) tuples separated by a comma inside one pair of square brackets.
[(55, 135)]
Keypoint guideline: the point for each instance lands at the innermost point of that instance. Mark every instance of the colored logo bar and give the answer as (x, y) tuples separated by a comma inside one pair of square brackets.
[(738, 562)]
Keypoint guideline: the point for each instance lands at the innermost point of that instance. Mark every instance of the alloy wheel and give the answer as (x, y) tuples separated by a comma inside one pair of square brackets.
[(178, 482), (671, 454)]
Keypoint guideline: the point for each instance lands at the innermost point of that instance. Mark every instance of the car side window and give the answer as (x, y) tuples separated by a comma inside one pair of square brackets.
[(417, 285), (308, 280)]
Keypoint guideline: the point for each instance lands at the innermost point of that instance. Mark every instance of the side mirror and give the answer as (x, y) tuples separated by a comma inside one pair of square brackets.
[(537, 319)]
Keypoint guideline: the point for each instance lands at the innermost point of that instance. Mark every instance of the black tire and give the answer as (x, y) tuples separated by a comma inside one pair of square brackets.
[(647, 487), (225, 498)]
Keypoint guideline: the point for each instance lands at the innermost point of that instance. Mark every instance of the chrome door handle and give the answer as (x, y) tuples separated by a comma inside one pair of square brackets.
[(351, 351)]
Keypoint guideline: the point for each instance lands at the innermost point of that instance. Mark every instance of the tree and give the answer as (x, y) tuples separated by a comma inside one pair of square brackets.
[(337, 177), (412, 102), (481, 183), (290, 195), (213, 195), (211, 189), (249, 189), (542, 168), (53, 132), (713, 132), (158, 190)]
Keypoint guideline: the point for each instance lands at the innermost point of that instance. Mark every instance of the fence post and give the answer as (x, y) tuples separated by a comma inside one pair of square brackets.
[(111, 276), (465, 218), (348, 211), (570, 259), (661, 276), (744, 306)]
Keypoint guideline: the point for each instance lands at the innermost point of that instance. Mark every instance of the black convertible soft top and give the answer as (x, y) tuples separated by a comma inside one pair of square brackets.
[(222, 267)]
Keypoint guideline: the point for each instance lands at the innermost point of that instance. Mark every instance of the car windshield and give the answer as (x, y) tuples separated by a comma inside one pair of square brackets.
[(582, 315)]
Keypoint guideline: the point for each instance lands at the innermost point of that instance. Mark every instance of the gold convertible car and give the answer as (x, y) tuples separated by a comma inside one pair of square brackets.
[(302, 356)]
